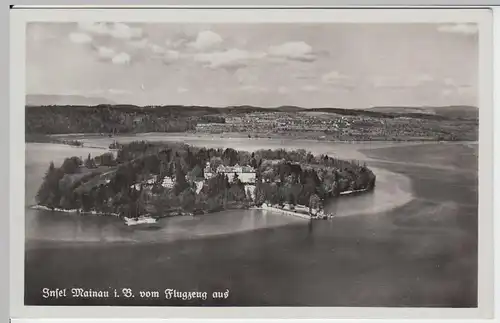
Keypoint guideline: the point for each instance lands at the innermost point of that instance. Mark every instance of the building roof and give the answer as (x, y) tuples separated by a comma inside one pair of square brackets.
[(235, 169)]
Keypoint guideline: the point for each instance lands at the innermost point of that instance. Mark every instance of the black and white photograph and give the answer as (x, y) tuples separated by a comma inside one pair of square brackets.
[(263, 164)]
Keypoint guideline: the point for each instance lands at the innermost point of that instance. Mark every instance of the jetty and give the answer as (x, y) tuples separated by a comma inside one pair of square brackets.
[(285, 211), (299, 211), (354, 192), (141, 220)]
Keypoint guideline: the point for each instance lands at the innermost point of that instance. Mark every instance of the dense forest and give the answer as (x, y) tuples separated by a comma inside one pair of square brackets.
[(105, 119), (122, 184)]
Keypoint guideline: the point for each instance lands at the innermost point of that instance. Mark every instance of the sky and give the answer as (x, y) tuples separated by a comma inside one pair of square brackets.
[(352, 66)]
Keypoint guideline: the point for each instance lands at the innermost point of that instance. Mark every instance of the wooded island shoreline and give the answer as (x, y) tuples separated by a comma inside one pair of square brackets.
[(159, 179)]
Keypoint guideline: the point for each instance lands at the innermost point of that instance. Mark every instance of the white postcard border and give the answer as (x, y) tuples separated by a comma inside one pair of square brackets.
[(17, 155)]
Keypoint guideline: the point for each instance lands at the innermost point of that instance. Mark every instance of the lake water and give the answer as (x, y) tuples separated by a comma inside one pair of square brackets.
[(412, 242)]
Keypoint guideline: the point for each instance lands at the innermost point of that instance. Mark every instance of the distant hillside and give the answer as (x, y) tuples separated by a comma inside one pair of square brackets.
[(378, 114), (360, 125), (455, 111), (251, 108), (47, 99), (290, 108)]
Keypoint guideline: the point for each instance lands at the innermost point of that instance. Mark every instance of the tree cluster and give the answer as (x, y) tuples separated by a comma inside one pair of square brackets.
[(132, 183)]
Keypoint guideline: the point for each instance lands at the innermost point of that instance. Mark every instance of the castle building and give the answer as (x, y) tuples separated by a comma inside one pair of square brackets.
[(246, 174)]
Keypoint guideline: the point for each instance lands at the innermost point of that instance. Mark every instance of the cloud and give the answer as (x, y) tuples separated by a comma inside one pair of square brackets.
[(452, 87), (450, 82), (157, 49), (423, 78), (106, 52), (304, 77), (170, 56), (401, 82), (80, 38), (297, 51), (447, 92), (232, 58), (182, 90), (244, 76), (459, 91), (464, 29), (118, 91), (253, 88), (37, 33), (116, 30), (142, 43), (121, 59), (94, 27), (206, 40), (337, 79), (283, 90), (175, 43), (387, 82), (124, 31), (310, 88)]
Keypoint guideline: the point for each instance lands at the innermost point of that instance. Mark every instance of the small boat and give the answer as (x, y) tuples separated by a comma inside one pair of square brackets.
[(143, 221)]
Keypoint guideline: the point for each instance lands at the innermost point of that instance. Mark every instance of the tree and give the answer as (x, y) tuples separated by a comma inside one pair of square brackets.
[(71, 165), (253, 160), (268, 175), (309, 158), (249, 194), (195, 173), (281, 195), (237, 192), (215, 162), (291, 199), (68, 202), (314, 202), (200, 200), (236, 179), (163, 168), (180, 180), (49, 190), (171, 169), (50, 170), (152, 164), (260, 195), (188, 199), (107, 159), (89, 162), (189, 159), (230, 157)]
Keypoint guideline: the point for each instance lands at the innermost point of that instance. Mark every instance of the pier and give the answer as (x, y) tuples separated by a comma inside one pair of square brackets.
[(286, 212)]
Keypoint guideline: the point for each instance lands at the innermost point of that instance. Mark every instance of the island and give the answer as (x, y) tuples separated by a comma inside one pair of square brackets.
[(151, 180)]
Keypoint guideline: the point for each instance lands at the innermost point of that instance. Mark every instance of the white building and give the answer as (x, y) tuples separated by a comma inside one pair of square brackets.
[(250, 189), (199, 186), (246, 174), (168, 182)]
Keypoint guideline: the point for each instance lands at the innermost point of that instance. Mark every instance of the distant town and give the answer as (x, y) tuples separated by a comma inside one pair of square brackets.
[(322, 125)]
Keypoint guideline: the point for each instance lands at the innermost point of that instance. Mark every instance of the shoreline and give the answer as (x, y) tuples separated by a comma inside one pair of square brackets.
[(243, 136), (72, 211), (251, 207)]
